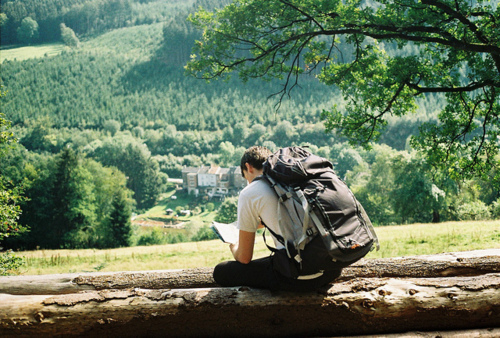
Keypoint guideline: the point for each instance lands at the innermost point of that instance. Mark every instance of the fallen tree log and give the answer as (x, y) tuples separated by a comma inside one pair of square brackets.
[(353, 307), (470, 263), (476, 333)]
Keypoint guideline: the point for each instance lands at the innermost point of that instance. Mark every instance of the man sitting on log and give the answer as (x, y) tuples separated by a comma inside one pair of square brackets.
[(258, 205)]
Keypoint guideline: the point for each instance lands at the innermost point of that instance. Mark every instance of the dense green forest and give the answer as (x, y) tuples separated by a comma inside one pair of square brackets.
[(103, 125), (84, 17)]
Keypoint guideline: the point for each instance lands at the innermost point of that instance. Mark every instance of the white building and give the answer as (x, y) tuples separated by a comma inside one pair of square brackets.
[(212, 181)]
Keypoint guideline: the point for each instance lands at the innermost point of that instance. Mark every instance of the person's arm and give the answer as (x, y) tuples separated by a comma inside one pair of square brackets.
[(243, 250)]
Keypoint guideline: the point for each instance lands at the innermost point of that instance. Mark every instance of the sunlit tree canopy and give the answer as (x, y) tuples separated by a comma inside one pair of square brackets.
[(436, 46)]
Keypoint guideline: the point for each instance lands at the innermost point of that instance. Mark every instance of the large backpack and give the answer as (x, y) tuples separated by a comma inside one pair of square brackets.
[(322, 224)]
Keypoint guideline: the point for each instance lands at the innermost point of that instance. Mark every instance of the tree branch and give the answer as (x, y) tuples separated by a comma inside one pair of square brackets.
[(286, 3), (469, 88), (455, 13), (485, 122), (455, 43)]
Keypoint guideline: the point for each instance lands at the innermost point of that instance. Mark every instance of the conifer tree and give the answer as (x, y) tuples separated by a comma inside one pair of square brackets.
[(120, 224), (74, 209)]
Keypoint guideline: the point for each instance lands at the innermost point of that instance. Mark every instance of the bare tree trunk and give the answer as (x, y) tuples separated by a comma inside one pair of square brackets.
[(358, 306), (462, 293), (469, 263)]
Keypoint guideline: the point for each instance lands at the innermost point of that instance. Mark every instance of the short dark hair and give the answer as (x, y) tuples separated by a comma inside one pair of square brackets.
[(255, 156)]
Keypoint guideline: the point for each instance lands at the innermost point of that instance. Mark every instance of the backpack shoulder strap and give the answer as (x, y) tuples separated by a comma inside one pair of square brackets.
[(286, 201), (274, 234), (279, 238)]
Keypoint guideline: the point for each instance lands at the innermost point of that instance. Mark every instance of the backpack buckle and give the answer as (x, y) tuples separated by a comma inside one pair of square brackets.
[(285, 196)]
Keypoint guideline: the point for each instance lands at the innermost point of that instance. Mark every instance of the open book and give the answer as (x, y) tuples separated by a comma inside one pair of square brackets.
[(228, 233)]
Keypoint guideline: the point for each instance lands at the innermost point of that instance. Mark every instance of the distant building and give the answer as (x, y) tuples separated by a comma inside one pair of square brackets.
[(212, 181), (185, 212)]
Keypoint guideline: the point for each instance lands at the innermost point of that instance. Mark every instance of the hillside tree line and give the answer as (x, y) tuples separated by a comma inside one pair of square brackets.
[(102, 127), (83, 17)]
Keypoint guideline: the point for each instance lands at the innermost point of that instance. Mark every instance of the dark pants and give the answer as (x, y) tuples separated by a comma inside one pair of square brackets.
[(259, 273)]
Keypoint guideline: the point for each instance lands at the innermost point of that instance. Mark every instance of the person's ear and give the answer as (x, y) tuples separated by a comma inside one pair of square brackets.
[(249, 167)]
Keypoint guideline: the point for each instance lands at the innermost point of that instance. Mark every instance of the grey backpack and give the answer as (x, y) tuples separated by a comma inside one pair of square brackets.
[(323, 226)]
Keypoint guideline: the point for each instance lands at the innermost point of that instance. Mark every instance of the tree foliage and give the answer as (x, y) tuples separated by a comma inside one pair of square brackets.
[(120, 224), (134, 159), (122, 100), (454, 49), (28, 31), (10, 194), (9, 263), (68, 36), (416, 194), (10, 199), (227, 212), (73, 202), (89, 17)]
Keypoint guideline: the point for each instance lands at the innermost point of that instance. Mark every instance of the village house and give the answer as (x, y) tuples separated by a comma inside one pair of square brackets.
[(212, 181)]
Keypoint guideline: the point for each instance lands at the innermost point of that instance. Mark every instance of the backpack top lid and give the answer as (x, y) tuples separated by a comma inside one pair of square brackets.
[(295, 164)]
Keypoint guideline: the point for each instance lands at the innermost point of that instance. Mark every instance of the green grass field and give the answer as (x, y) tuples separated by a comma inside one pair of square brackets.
[(395, 241), (30, 52)]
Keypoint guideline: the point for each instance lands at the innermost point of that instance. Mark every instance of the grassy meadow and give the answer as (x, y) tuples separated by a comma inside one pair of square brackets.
[(30, 52), (395, 241)]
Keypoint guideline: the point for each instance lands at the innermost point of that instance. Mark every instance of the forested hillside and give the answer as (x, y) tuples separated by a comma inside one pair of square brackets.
[(103, 124), (85, 17)]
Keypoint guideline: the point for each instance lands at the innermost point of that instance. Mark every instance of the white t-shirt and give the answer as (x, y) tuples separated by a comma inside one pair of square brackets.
[(258, 201)]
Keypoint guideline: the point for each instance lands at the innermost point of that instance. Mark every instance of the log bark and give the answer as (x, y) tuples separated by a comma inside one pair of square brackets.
[(457, 291), (353, 307), (471, 263), (478, 333)]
